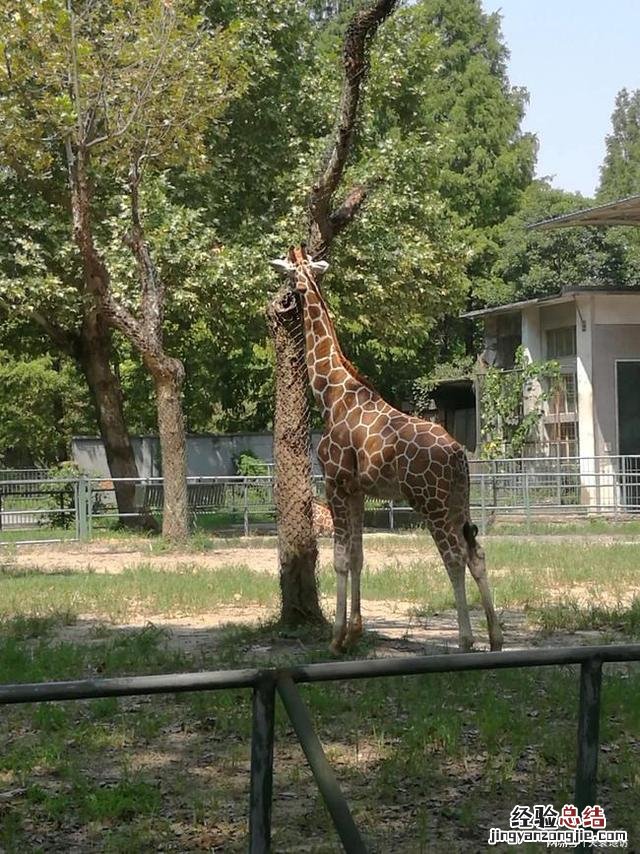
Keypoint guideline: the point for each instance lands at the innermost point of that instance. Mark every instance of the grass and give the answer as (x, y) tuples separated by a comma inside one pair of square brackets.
[(139, 591), (533, 575), (573, 618), (427, 763)]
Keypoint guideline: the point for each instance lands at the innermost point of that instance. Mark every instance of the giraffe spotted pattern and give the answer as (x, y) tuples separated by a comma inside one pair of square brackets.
[(370, 448)]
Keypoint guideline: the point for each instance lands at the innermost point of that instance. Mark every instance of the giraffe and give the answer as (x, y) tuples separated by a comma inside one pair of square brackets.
[(370, 448)]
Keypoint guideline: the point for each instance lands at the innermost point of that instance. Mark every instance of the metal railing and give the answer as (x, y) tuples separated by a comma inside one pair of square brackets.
[(522, 489), (266, 683)]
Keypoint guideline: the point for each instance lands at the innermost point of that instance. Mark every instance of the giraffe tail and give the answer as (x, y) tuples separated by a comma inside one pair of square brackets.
[(470, 532)]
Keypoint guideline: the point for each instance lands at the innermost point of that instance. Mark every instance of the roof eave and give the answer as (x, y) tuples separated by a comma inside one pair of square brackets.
[(621, 212)]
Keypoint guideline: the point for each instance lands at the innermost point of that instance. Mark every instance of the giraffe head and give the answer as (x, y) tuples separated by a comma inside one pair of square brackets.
[(299, 268)]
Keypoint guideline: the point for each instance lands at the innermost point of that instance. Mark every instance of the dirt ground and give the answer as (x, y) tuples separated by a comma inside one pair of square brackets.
[(113, 556), (399, 629), (396, 630)]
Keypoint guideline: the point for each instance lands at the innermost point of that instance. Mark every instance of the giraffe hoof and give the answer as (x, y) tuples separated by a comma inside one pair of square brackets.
[(353, 636), (336, 647)]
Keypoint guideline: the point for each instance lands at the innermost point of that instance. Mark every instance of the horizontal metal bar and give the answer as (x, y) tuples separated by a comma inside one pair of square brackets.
[(451, 662), (328, 671), (39, 481), (71, 539), (128, 686)]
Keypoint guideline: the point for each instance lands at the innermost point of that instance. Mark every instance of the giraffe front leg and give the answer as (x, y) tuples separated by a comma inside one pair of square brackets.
[(342, 531), (356, 517), (341, 565)]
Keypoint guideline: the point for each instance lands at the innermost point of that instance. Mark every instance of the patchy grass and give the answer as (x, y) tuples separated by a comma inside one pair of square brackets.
[(571, 617), (427, 763), (545, 578), (142, 591), (598, 526)]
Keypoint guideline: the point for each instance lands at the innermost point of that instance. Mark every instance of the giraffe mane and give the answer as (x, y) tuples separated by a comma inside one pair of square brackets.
[(346, 363)]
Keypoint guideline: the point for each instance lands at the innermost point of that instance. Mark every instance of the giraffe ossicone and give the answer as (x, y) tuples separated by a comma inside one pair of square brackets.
[(370, 448)]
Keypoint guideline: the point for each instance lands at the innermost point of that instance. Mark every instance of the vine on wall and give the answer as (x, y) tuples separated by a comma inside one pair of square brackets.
[(505, 426)]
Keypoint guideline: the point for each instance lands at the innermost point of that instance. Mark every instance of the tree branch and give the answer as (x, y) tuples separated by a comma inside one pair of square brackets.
[(355, 59), (141, 95), (152, 286), (349, 208)]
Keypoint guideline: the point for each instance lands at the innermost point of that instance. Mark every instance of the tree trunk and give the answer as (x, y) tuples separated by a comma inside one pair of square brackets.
[(95, 358), (168, 377), (297, 546)]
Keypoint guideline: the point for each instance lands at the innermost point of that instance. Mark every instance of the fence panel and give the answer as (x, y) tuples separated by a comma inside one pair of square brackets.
[(38, 508), (264, 683), (34, 506)]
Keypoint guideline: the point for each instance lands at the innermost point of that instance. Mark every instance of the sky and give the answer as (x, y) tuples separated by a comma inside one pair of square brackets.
[(573, 56)]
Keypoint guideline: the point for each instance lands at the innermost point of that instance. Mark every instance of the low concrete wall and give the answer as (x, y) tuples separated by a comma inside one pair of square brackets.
[(207, 456)]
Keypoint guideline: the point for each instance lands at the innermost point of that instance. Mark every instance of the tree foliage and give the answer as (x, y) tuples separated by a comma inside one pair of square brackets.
[(439, 148), (620, 171), (505, 425), (42, 405), (533, 263)]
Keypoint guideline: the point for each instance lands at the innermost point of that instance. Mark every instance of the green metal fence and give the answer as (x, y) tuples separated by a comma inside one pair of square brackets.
[(266, 683)]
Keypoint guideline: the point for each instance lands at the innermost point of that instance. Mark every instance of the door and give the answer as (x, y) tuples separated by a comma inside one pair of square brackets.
[(628, 393)]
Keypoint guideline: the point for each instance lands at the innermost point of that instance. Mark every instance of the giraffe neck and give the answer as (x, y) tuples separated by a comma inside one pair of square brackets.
[(329, 375)]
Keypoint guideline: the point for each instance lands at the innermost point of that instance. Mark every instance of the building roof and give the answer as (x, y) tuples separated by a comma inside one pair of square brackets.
[(565, 295), (621, 212)]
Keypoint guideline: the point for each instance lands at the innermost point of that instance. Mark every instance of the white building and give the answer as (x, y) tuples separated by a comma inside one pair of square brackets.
[(594, 334)]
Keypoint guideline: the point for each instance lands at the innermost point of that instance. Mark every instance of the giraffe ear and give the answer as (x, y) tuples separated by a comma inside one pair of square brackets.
[(282, 265), (319, 266)]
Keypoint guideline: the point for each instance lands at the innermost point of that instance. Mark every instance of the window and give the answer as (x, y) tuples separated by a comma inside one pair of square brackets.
[(564, 399), (563, 432), (563, 438), (509, 339), (561, 342)]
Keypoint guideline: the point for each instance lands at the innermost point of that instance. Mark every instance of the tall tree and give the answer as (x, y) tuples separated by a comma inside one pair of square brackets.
[(620, 171), (121, 91), (297, 546), (533, 263), (40, 281), (484, 159)]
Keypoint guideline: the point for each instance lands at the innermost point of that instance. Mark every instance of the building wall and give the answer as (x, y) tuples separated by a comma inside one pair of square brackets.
[(610, 342), (555, 317), (207, 456)]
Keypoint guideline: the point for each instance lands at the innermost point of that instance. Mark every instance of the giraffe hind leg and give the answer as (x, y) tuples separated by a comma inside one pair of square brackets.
[(453, 553), (477, 568), (356, 517)]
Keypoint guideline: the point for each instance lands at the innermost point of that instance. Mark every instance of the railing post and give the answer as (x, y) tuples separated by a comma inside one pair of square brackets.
[(483, 505), (260, 797), (89, 509), (527, 498), (588, 734), (391, 518), (245, 507), (322, 771), (82, 508), (76, 507)]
